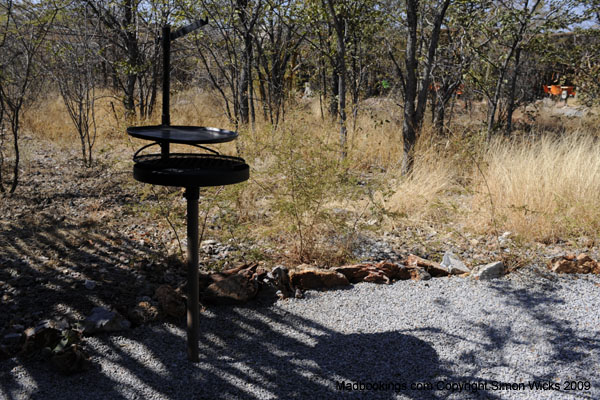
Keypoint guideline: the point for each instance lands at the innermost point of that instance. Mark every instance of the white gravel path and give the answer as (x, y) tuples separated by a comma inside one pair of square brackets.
[(456, 338)]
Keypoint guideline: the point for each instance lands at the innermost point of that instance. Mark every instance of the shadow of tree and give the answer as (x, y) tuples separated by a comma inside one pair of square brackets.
[(251, 353), (45, 261)]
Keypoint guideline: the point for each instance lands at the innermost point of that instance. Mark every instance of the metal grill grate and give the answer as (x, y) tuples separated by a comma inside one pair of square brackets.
[(190, 169)]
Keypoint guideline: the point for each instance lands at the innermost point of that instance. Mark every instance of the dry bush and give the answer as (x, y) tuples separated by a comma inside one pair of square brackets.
[(542, 190)]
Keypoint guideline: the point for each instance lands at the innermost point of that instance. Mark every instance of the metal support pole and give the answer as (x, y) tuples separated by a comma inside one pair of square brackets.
[(166, 85), (192, 195)]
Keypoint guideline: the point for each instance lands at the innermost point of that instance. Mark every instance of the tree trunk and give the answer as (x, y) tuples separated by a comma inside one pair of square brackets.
[(15, 132), (245, 80), (511, 94), (440, 111), (333, 101), (409, 135)]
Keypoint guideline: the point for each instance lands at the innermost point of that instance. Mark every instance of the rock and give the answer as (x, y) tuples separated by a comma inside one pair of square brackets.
[(317, 279), (104, 320), (280, 278), (571, 264), (453, 264), (564, 266), (587, 265), (383, 272), (419, 274), (143, 313), (394, 271), (434, 269), (250, 269), (88, 284), (376, 276), (170, 301), (488, 271), (234, 289), (71, 360), (354, 273)]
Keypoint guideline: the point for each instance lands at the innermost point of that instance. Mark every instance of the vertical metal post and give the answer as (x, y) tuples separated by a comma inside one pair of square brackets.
[(192, 194), (166, 85)]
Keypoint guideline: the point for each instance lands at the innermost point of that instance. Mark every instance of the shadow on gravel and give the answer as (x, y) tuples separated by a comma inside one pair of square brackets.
[(45, 261), (568, 344), (248, 353)]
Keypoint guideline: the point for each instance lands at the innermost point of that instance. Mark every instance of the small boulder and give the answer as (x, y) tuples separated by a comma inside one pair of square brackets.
[(317, 279), (419, 274), (394, 271), (571, 264), (170, 301), (434, 269), (279, 277), (488, 271), (143, 313), (564, 266), (354, 273), (453, 264), (234, 289), (104, 320)]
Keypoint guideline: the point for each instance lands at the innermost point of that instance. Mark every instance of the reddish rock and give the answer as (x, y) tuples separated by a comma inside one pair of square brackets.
[(142, 313), (419, 274), (569, 264), (563, 266), (376, 276), (383, 272), (170, 301), (234, 289), (394, 271), (205, 280), (316, 279), (434, 269), (354, 273)]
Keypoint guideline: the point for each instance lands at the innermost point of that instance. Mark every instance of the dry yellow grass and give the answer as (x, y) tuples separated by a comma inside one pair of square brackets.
[(427, 194), (542, 190)]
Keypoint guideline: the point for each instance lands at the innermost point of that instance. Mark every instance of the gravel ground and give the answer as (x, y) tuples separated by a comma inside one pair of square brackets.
[(531, 326)]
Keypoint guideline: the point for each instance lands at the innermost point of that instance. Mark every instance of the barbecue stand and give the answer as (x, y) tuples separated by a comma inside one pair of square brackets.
[(189, 170)]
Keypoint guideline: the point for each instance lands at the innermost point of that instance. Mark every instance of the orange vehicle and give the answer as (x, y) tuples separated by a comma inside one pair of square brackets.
[(559, 90)]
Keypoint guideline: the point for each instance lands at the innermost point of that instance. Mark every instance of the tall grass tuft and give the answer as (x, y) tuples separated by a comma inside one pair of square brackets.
[(544, 189)]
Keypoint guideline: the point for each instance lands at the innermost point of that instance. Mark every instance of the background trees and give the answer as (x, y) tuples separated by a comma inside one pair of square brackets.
[(258, 56)]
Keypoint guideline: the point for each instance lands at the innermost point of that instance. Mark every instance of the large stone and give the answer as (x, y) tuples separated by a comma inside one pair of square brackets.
[(383, 272), (170, 301), (434, 269), (488, 271), (570, 264), (564, 266), (143, 313), (234, 289), (394, 271), (280, 279), (587, 265), (354, 273), (419, 274), (206, 280), (317, 279), (104, 320), (453, 264)]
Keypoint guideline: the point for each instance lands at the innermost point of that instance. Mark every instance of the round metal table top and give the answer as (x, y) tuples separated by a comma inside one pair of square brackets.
[(182, 134)]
